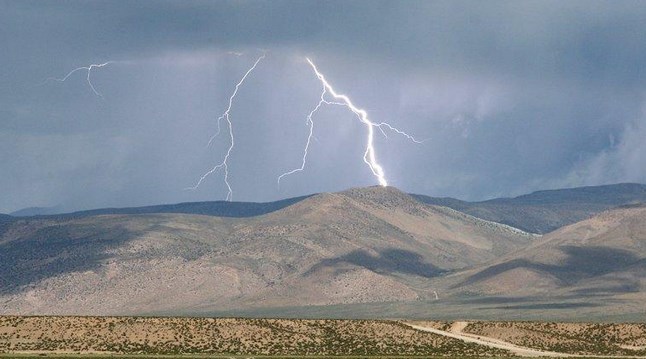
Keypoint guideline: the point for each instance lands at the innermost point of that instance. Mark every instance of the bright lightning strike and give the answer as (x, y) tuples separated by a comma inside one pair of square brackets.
[(225, 116), (369, 156), (89, 73)]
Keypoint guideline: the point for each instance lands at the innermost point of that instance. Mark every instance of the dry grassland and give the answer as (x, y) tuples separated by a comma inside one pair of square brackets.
[(572, 338), (273, 337)]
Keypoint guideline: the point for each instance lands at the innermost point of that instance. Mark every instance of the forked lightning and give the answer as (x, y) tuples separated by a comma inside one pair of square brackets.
[(310, 123), (226, 117), (89, 72), (369, 156)]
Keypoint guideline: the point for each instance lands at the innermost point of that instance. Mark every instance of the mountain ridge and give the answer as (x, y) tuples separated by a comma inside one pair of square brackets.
[(209, 208), (547, 210), (601, 256), (538, 212)]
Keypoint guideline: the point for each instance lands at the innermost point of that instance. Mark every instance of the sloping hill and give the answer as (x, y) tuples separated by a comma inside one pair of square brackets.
[(604, 256), (545, 211), (359, 246)]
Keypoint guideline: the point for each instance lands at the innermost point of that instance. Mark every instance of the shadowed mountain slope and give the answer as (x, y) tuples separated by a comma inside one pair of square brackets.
[(365, 245), (601, 256), (545, 211)]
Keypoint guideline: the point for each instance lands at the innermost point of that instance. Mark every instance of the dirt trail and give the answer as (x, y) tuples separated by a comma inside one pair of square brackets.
[(456, 333)]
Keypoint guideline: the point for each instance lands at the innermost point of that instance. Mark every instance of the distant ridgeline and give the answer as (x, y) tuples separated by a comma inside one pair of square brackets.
[(545, 211), (538, 212), (212, 208)]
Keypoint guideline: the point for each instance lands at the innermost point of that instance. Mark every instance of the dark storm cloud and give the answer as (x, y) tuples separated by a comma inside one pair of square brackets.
[(590, 40), (514, 96)]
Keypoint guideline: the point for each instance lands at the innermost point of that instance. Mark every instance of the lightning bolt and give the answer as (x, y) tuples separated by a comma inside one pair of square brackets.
[(225, 116), (89, 73), (310, 136), (369, 156)]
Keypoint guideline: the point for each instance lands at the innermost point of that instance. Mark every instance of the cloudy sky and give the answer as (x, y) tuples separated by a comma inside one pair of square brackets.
[(512, 96)]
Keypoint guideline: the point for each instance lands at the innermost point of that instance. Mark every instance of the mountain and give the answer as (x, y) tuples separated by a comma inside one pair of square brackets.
[(545, 211), (369, 245), (599, 262), (369, 252)]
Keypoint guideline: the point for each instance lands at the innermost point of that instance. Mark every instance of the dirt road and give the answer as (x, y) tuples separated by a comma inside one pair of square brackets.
[(456, 333)]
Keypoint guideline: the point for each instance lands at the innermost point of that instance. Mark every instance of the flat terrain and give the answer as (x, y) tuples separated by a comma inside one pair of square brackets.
[(292, 337), (573, 338), (139, 335), (547, 339)]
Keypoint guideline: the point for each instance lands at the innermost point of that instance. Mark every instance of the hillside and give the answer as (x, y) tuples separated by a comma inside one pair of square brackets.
[(545, 211), (4, 222), (600, 262), (360, 246)]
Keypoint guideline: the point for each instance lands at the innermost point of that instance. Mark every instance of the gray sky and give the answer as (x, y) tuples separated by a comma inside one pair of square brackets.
[(513, 96)]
